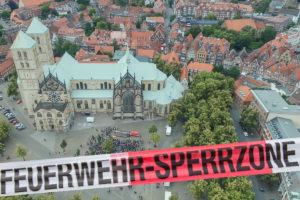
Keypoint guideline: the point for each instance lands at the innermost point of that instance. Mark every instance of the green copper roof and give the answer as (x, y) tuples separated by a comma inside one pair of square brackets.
[(92, 94), (22, 41), (36, 27)]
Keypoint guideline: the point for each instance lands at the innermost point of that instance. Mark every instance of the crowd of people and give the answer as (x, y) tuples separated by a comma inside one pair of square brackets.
[(127, 144)]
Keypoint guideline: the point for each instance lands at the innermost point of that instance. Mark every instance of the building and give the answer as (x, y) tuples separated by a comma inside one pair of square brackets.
[(194, 68), (242, 96), (53, 92), (6, 68), (239, 24), (279, 22), (269, 104), (278, 128)]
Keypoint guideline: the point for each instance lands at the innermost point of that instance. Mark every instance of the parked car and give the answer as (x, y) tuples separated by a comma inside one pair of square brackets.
[(10, 116), (15, 122), (262, 189), (1, 107), (6, 111), (12, 120), (19, 101), (1, 97)]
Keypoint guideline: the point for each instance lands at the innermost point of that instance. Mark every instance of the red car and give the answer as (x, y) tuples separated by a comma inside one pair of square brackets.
[(19, 101), (15, 122)]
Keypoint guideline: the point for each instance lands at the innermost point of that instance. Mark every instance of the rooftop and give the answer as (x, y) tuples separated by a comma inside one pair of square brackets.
[(274, 103), (22, 41), (282, 128), (36, 27)]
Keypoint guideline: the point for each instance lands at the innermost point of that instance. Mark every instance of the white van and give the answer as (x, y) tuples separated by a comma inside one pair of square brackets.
[(168, 130), (90, 119)]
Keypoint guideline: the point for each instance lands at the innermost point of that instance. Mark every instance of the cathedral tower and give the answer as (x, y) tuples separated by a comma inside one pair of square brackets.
[(40, 33), (28, 67)]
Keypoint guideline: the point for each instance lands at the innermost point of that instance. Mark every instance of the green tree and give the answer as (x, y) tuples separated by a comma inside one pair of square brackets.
[(249, 119), (63, 144), (12, 88), (102, 25), (115, 44), (108, 145), (270, 178), (152, 129), (198, 188), (171, 2), (108, 53), (77, 196), (211, 16), (5, 128), (88, 29), (262, 6), (81, 16), (194, 30), (1, 147), (96, 197), (115, 27), (155, 138), (70, 47), (3, 41), (177, 144), (82, 7), (174, 197), (60, 47), (78, 152), (291, 7), (45, 197), (92, 12), (234, 72), (151, 28), (83, 2), (21, 152), (5, 14), (237, 16), (121, 2), (268, 34), (172, 18)]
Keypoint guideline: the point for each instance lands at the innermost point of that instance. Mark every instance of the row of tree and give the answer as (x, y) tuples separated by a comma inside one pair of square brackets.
[(205, 112)]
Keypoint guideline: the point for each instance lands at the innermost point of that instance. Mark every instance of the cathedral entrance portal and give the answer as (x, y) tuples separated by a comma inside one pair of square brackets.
[(128, 103)]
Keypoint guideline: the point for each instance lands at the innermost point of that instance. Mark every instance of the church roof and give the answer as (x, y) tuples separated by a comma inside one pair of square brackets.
[(36, 27), (68, 69), (22, 41)]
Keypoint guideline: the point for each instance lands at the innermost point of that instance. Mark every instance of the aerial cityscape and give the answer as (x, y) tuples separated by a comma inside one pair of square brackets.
[(83, 78)]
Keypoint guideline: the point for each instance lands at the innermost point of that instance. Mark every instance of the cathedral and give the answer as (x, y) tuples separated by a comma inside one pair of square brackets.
[(52, 92)]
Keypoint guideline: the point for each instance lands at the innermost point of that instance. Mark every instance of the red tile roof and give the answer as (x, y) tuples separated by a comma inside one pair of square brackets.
[(201, 66), (6, 64), (184, 73), (146, 52), (238, 24), (28, 3), (244, 93), (172, 57)]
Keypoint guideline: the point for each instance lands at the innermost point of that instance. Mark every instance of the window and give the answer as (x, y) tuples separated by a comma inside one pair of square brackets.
[(78, 104), (101, 86), (41, 123), (22, 64), (93, 101), (25, 55), (85, 86), (166, 109), (40, 49), (38, 40), (81, 85), (143, 86), (158, 86), (101, 104), (49, 114), (149, 86), (150, 105), (27, 65), (86, 105), (105, 85), (108, 105), (128, 102), (109, 86), (59, 114), (60, 123), (39, 114), (20, 55), (77, 86)]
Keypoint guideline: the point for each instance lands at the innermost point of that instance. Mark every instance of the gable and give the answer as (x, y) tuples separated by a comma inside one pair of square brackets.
[(51, 83), (127, 81)]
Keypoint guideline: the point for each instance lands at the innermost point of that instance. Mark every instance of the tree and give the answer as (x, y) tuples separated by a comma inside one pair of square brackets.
[(82, 7), (88, 29), (108, 53), (237, 16), (92, 12), (5, 128), (155, 138), (5, 14), (291, 7), (262, 6), (249, 119), (268, 34), (234, 72), (81, 16), (63, 144), (21, 152), (194, 30), (174, 197), (12, 88), (198, 188), (70, 47), (78, 152), (115, 44), (77, 196), (61, 46), (102, 25), (177, 144), (45, 197), (3, 41), (151, 28), (211, 16), (171, 2), (152, 129), (108, 145), (96, 197), (121, 3), (83, 2), (269, 178), (172, 18), (115, 27)]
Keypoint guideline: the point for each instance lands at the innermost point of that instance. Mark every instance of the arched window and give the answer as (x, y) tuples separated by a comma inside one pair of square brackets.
[(128, 102), (149, 86), (38, 40), (41, 122), (77, 86), (25, 55), (101, 104), (40, 49), (81, 85), (108, 105), (49, 114), (85, 86), (39, 114), (20, 55), (158, 86), (27, 65), (105, 85), (59, 114), (101, 86), (79, 104), (22, 64), (60, 123), (109, 86)]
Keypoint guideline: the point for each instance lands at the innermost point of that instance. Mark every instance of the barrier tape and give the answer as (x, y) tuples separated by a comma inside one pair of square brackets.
[(154, 166)]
